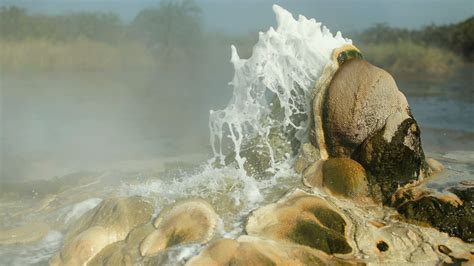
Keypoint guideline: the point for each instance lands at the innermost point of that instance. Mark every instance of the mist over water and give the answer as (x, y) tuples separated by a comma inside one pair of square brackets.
[(65, 121)]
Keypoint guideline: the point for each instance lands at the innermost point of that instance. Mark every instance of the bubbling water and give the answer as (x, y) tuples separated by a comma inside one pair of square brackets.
[(272, 89)]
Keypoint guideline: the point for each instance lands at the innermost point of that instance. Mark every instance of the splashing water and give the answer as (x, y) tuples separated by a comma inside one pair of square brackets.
[(272, 93), (272, 89), (33, 254)]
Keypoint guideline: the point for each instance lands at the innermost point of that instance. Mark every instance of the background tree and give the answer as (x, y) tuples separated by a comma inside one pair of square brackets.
[(17, 24), (172, 30), (463, 39), (14, 22), (98, 26)]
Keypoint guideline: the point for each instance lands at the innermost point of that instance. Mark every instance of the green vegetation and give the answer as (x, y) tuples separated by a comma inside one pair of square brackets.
[(457, 38), (172, 30), (409, 59), (159, 36), (171, 33), (435, 51), (17, 25), (78, 54)]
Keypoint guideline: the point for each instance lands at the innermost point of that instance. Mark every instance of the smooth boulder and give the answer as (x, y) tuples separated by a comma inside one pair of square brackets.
[(247, 250), (340, 177), (124, 252), (357, 103), (364, 116), (303, 219), (109, 222), (190, 221)]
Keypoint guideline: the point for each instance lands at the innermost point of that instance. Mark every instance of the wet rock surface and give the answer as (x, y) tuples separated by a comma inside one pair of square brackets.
[(382, 237), (303, 228), (303, 219), (365, 117), (345, 177), (119, 214), (308, 155), (110, 222), (450, 213), (396, 163), (125, 252), (465, 191), (340, 177), (248, 250), (113, 254), (258, 153), (81, 249), (257, 156), (191, 221)]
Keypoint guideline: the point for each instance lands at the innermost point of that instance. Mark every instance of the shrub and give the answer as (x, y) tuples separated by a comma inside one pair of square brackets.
[(78, 54), (408, 58)]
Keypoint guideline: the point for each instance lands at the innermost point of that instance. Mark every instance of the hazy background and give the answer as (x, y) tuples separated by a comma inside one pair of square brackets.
[(241, 16), (93, 84)]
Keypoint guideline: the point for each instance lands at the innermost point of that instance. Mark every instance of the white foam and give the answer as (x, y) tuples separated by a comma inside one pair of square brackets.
[(208, 182), (80, 208), (285, 63), (187, 252)]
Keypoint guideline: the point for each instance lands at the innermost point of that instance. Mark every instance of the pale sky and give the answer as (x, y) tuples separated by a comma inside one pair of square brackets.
[(241, 16)]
